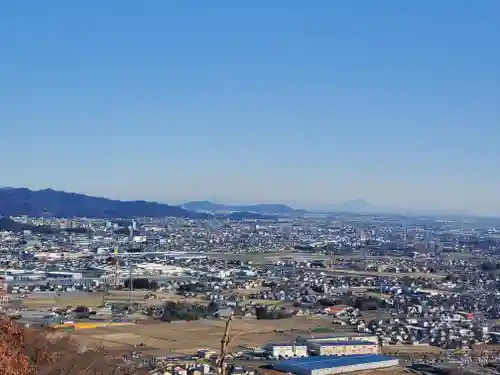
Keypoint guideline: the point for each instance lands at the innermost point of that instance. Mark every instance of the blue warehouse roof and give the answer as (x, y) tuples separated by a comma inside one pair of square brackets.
[(328, 361)]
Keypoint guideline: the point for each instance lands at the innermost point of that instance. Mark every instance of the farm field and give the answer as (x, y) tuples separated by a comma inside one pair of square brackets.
[(63, 300), (98, 299), (187, 337), (411, 349)]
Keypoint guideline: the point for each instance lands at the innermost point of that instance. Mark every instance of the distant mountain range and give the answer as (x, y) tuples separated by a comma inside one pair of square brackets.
[(49, 202), (353, 206), (22, 201), (207, 206)]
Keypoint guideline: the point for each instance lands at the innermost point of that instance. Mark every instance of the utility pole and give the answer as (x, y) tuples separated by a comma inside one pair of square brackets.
[(224, 343), (130, 285)]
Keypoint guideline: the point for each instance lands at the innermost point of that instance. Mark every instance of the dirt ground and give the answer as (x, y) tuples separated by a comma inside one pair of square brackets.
[(388, 371), (413, 350), (98, 299), (188, 337), (122, 296), (138, 297), (63, 300)]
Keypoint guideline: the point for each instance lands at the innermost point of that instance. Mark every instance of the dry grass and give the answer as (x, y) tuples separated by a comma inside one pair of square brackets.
[(47, 301), (98, 299), (187, 337), (387, 371), (138, 297), (411, 349)]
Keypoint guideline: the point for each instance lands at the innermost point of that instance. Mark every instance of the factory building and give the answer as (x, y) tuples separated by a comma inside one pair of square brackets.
[(64, 275), (334, 338), (327, 365), (338, 348), (285, 350)]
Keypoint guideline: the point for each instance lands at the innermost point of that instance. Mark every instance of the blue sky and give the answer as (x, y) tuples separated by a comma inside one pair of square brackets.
[(309, 103)]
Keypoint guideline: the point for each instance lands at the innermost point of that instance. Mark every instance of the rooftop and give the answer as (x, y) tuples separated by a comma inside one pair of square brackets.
[(344, 343), (313, 363)]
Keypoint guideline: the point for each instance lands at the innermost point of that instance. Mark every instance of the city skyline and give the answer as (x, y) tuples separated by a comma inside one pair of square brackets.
[(394, 103)]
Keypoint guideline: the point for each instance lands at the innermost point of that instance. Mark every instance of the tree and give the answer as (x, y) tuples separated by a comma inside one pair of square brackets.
[(212, 308), (141, 283), (181, 311), (30, 352)]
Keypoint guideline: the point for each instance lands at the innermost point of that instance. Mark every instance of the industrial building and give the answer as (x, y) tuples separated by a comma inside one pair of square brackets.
[(334, 338), (285, 350), (342, 347), (326, 365)]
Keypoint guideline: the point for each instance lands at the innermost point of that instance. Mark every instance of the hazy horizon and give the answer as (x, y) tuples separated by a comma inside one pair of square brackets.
[(327, 207), (264, 102)]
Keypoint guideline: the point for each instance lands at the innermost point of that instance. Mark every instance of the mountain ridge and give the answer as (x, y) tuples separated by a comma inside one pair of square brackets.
[(358, 205), (24, 201), (263, 208)]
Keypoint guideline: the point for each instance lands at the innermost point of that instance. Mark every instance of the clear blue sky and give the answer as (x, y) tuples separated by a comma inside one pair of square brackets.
[(309, 103)]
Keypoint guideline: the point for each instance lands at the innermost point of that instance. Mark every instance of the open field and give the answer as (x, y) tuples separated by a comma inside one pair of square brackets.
[(411, 349), (45, 301), (388, 371), (187, 337), (138, 297), (64, 299), (98, 299)]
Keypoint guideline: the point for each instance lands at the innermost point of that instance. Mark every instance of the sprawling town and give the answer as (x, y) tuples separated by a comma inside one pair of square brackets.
[(311, 294)]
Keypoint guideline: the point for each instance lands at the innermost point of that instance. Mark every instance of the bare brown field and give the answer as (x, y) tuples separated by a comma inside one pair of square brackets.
[(388, 371), (138, 297), (488, 348), (411, 349), (187, 337), (98, 299), (249, 291), (63, 300)]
